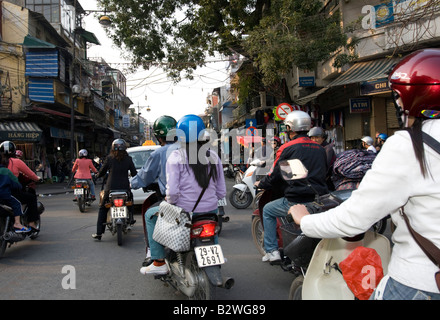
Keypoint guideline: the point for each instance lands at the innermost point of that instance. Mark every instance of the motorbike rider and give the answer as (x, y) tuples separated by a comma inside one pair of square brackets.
[(118, 164), (380, 140), (319, 135), (155, 168), (9, 182), (186, 177), (368, 144), (406, 171), (82, 166), (18, 167), (314, 159)]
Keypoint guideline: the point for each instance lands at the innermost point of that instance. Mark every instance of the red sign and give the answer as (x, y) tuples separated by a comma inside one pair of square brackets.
[(283, 110)]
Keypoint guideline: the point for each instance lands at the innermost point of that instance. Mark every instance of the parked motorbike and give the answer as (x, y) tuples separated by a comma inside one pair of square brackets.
[(119, 216), (81, 190), (243, 193), (197, 273), (316, 261), (7, 233)]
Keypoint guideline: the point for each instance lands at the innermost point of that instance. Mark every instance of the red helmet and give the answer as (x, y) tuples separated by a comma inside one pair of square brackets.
[(416, 80)]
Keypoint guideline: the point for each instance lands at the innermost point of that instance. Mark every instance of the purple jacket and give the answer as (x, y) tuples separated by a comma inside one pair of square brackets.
[(183, 189)]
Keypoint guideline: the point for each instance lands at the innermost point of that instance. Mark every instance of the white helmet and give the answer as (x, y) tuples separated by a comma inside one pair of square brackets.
[(83, 153), (368, 140), (316, 132), (298, 121)]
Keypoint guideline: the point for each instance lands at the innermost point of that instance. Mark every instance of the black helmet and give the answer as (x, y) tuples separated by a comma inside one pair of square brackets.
[(7, 148), (119, 144)]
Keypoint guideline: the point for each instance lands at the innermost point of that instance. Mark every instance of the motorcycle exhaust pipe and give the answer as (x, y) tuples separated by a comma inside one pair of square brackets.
[(13, 237), (228, 283)]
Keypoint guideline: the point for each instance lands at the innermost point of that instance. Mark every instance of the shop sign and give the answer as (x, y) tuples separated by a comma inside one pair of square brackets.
[(374, 87), (306, 81), (360, 105)]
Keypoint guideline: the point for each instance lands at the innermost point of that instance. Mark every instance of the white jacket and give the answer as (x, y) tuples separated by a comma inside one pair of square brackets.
[(394, 180)]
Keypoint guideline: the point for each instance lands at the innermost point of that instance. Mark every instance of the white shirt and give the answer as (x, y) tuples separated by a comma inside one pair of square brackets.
[(394, 180)]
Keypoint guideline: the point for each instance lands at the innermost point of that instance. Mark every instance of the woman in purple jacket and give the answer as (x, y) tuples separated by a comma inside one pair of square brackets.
[(189, 169)]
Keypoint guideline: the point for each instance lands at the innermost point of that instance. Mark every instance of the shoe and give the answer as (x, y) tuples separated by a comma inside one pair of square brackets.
[(22, 230), (147, 261), (153, 269), (272, 256), (96, 236)]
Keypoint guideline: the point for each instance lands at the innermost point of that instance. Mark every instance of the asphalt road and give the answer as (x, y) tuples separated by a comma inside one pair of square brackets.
[(65, 263)]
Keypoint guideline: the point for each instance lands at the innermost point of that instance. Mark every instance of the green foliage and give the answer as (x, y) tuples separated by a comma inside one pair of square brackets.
[(179, 34)]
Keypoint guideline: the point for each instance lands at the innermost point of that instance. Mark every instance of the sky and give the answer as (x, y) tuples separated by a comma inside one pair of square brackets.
[(151, 87)]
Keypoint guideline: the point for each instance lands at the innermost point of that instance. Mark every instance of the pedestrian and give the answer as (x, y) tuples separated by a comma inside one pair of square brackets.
[(118, 164), (404, 178)]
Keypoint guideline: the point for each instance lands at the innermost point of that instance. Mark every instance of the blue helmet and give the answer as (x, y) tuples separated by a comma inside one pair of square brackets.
[(189, 128), (383, 136)]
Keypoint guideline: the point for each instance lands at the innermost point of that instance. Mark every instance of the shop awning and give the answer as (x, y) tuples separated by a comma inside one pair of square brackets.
[(20, 131), (88, 36), (310, 97), (364, 71)]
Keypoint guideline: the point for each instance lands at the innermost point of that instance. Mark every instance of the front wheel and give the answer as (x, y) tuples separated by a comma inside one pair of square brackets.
[(240, 199), (204, 289), (3, 229), (295, 292), (258, 234)]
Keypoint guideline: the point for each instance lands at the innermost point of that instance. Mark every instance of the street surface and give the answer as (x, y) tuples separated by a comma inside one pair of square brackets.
[(65, 263)]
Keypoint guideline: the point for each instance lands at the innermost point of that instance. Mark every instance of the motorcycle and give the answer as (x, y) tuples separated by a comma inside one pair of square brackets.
[(197, 273), (243, 193), (83, 198), (119, 215), (315, 262), (7, 233)]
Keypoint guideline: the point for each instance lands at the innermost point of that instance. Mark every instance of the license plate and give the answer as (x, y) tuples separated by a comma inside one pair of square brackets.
[(78, 191), (209, 255), (118, 212)]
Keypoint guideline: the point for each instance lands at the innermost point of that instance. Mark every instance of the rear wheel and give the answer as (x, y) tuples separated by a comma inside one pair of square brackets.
[(204, 289), (81, 204), (3, 243), (119, 233)]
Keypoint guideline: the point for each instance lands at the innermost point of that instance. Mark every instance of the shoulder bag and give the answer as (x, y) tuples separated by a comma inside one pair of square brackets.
[(427, 246)]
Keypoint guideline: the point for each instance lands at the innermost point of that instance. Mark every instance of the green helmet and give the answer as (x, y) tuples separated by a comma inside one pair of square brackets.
[(163, 125)]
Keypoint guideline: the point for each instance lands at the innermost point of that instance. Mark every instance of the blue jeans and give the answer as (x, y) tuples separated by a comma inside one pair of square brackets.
[(271, 211), (157, 250), (396, 291)]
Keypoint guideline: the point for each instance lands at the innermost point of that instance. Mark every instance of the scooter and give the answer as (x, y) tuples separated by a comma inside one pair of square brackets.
[(7, 233), (81, 190), (119, 215), (197, 273), (243, 193), (321, 277)]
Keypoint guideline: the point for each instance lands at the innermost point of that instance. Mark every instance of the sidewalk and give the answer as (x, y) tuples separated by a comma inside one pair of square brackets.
[(47, 189)]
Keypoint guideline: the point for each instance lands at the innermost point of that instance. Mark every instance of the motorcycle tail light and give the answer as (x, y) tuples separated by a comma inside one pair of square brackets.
[(204, 230), (118, 202)]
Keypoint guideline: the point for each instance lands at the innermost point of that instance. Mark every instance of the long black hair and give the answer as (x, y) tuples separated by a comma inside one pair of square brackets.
[(415, 132), (202, 172)]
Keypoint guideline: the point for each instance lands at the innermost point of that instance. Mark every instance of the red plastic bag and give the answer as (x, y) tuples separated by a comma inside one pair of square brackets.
[(362, 271)]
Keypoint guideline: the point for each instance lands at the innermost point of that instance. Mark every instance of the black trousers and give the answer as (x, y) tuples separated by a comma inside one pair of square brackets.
[(30, 200)]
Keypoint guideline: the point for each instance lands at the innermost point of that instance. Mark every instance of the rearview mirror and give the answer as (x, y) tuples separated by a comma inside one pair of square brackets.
[(293, 169)]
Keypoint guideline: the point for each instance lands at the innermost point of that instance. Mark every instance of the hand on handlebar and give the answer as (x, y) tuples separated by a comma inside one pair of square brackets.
[(298, 211)]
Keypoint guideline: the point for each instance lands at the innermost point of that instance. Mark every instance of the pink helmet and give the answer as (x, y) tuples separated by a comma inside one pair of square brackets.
[(19, 153), (416, 80)]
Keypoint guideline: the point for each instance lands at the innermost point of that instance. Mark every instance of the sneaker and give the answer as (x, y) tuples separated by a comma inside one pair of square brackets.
[(272, 256), (153, 269)]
